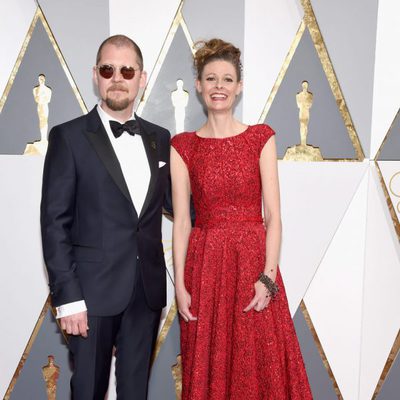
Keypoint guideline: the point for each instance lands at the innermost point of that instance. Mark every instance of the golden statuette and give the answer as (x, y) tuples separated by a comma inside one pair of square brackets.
[(51, 373), (303, 151), (180, 99), (42, 96), (177, 375)]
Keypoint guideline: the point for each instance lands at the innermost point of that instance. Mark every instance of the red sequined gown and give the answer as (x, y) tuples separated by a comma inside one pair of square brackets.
[(228, 354)]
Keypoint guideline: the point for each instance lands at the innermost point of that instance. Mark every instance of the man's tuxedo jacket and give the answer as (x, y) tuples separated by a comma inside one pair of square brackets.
[(93, 239)]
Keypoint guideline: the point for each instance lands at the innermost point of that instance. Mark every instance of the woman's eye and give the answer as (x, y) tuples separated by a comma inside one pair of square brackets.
[(210, 78), (228, 79)]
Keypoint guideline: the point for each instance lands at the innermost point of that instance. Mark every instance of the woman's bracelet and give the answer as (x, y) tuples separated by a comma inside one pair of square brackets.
[(271, 286)]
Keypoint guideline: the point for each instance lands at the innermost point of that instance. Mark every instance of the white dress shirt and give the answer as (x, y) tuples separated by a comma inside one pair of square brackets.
[(135, 167)]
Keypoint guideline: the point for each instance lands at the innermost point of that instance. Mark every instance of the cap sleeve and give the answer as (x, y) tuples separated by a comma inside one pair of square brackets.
[(181, 143), (266, 132)]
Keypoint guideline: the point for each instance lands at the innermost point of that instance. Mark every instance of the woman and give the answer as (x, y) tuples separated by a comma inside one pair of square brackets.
[(237, 336)]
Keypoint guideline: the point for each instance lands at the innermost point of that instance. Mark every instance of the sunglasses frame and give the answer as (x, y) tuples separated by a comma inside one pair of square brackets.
[(119, 68)]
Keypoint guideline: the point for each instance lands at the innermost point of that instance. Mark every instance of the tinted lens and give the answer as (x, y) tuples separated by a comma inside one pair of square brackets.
[(127, 72), (106, 71)]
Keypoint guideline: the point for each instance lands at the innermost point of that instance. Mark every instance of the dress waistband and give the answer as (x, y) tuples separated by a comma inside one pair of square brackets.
[(225, 223)]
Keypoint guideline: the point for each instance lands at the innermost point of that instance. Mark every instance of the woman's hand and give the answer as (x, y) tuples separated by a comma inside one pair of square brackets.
[(184, 301), (261, 298)]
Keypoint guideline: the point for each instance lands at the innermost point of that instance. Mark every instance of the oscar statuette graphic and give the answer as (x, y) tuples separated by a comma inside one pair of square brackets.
[(303, 151), (180, 99), (394, 188), (42, 96), (51, 373), (177, 375)]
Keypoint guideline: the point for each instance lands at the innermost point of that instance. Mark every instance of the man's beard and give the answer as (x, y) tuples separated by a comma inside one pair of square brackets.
[(117, 105)]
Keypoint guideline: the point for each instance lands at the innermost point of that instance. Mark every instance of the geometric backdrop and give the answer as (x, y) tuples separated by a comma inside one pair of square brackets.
[(340, 256)]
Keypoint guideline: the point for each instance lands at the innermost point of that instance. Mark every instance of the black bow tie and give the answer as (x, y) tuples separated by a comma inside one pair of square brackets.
[(131, 127)]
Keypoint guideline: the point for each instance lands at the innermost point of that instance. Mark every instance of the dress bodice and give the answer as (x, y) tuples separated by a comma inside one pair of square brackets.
[(225, 174)]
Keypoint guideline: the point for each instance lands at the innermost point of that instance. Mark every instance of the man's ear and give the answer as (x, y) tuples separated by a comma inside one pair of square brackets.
[(95, 77), (143, 79)]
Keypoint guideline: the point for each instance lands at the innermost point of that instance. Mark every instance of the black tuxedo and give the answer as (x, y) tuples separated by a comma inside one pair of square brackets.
[(95, 244)]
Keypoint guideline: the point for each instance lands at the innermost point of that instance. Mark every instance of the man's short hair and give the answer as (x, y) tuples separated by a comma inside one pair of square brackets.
[(122, 41)]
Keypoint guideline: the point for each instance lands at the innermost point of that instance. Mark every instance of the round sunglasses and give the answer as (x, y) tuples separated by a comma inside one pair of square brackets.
[(107, 71)]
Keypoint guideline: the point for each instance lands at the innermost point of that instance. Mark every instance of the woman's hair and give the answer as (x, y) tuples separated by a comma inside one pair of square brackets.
[(216, 49)]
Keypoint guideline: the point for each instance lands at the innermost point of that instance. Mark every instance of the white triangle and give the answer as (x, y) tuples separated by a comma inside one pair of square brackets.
[(134, 22), (270, 28), (381, 317), (314, 198), (17, 16), (334, 298), (24, 283), (386, 100)]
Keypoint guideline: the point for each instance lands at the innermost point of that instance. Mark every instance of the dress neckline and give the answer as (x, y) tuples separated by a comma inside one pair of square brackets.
[(222, 138)]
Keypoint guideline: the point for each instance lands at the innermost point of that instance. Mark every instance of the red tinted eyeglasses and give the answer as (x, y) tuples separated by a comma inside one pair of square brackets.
[(107, 71)]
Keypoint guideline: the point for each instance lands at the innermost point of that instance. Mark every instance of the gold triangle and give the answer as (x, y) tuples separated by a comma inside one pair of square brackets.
[(283, 70), (310, 22), (165, 329), (177, 21), (39, 15), (396, 345), (28, 348), (172, 312), (389, 202), (389, 362), (320, 348), (31, 341), (388, 134)]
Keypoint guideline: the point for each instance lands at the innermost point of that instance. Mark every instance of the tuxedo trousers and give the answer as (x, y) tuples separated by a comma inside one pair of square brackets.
[(133, 333)]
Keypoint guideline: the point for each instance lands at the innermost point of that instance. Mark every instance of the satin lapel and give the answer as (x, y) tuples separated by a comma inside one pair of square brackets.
[(98, 137), (150, 144)]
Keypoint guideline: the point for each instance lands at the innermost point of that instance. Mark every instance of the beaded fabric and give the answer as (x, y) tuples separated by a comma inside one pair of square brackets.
[(228, 354)]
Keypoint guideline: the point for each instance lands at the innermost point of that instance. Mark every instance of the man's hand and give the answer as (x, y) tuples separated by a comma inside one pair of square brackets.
[(75, 324)]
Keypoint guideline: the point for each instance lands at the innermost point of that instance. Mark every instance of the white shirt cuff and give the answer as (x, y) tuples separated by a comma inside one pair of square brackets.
[(68, 309)]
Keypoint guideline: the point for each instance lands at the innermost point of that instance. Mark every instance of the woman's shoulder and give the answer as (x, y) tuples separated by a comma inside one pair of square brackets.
[(259, 136), (183, 144), (181, 138), (263, 129)]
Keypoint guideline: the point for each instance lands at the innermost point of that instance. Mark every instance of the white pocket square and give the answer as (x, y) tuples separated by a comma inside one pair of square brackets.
[(161, 164)]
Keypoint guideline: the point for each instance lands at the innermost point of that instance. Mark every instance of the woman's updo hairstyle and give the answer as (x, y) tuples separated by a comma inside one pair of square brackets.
[(216, 49)]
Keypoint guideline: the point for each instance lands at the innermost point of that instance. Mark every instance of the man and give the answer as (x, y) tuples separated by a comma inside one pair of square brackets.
[(104, 184)]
